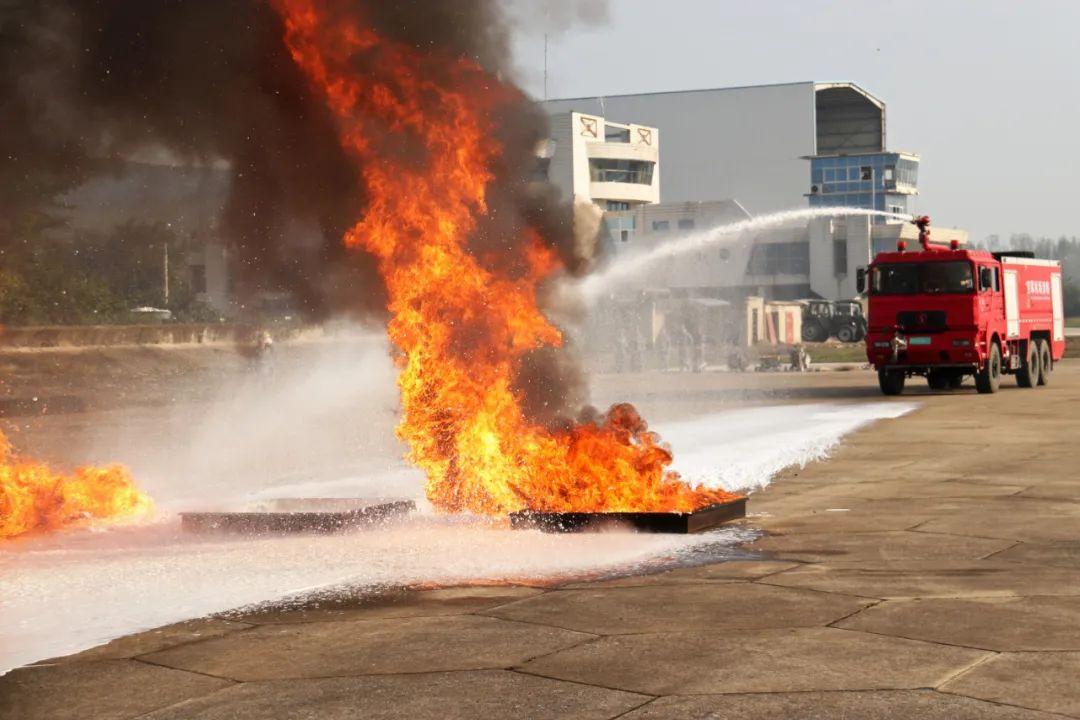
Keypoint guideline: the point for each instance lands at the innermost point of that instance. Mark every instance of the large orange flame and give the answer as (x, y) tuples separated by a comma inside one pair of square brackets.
[(462, 418), (34, 498)]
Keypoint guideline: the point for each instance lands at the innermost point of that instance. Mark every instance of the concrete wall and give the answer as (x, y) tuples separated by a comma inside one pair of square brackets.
[(740, 143), (76, 336), (854, 233)]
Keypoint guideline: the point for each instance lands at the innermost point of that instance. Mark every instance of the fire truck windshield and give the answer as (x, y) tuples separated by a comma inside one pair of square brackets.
[(933, 278)]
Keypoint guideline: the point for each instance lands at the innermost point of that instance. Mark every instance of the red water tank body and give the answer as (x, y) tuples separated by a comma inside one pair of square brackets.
[(943, 312)]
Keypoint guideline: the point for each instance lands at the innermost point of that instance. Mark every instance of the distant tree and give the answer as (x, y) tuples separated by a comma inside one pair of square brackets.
[(61, 278)]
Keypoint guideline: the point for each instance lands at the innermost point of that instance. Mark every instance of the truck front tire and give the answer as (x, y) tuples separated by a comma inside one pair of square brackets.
[(988, 380), (1046, 362), (1028, 374), (891, 381)]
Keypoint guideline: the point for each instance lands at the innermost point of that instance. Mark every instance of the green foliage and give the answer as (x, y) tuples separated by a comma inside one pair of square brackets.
[(1071, 291), (87, 279)]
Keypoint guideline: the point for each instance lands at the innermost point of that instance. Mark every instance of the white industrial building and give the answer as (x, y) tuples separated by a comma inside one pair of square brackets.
[(751, 143), (591, 159), (763, 149)]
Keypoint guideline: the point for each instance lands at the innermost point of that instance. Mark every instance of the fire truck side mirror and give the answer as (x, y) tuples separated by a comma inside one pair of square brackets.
[(860, 280)]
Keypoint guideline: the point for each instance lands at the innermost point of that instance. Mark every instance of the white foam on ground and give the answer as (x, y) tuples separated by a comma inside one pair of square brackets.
[(64, 593), (743, 449)]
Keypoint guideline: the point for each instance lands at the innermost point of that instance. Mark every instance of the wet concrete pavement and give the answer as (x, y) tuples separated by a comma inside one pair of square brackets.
[(929, 569)]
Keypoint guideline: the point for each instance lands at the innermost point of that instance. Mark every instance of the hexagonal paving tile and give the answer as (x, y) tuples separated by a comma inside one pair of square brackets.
[(731, 571), (1045, 681), (158, 639), (1056, 554), (878, 546), (104, 690), (705, 607), (932, 578), (494, 694), (1014, 518), (865, 705), (401, 603), (756, 661), (1028, 623), (361, 647)]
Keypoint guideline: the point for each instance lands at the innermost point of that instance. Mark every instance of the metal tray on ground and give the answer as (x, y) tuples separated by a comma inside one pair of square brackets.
[(298, 515), (680, 523)]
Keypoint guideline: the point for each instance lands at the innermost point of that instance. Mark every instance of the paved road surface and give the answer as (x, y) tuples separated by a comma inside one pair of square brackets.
[(930, 569)]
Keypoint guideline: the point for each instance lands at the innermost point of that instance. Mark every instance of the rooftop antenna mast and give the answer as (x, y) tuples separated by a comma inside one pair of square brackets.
[(545, 67)]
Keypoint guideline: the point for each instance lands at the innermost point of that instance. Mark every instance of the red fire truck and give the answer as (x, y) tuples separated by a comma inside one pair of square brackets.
[(943, 312)]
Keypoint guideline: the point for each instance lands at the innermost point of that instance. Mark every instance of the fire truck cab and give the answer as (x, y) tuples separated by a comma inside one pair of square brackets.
[(943, 313)]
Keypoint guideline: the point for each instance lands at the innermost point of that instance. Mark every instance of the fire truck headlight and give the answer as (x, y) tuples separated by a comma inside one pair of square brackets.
[(961, 343)]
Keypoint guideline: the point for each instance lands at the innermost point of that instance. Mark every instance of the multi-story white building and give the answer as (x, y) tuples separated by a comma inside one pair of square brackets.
[(762, 149), (749, 144), (591, 159)]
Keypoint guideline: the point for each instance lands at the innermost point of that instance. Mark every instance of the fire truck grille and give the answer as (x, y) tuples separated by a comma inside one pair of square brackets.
[(921, 320)]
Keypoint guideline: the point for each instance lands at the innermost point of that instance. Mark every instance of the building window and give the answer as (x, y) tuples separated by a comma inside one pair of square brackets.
[(638, 172), (840, 256), (198, 279), (866, 173), (614, 133), (788, 258), (624, 235), (686, 224), (617, 205), (661, 225)]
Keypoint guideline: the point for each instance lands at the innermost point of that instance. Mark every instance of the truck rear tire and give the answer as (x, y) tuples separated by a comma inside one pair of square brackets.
[(1046, 362), (988, 380), (1028, 374), (847, 334), (891, 382)]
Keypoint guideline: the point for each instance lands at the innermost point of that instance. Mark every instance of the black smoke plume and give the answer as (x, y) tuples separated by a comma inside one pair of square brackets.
[(87, 84)]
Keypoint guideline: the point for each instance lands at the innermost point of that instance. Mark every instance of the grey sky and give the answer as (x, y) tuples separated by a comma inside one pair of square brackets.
[(986, 91)]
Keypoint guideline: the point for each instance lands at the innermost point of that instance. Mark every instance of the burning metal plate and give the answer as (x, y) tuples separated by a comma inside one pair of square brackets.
[(683, 523), (308, 515)]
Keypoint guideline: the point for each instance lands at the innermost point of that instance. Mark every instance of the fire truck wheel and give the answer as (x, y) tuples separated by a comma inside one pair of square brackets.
[(1046, 362), (988, 379), (1028, 374), (891, 381)]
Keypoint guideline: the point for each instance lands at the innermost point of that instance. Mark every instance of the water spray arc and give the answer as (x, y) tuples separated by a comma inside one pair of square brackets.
[(627, 265)]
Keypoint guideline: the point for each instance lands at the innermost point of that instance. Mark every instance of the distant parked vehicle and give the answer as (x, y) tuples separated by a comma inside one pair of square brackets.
[(843, 320), (849, 323)]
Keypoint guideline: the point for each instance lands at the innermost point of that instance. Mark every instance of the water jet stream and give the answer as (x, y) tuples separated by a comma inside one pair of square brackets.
[(626, 265)]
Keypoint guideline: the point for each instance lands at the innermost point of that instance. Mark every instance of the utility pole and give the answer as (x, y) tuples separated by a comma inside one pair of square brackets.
[(545, 67), (165, 273)]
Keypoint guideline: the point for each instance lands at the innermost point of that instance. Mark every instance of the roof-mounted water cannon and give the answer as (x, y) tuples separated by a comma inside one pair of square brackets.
[(923, 223)]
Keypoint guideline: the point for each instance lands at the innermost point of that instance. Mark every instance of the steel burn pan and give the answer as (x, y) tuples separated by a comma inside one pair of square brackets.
[(308, 515), (678, 523)]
